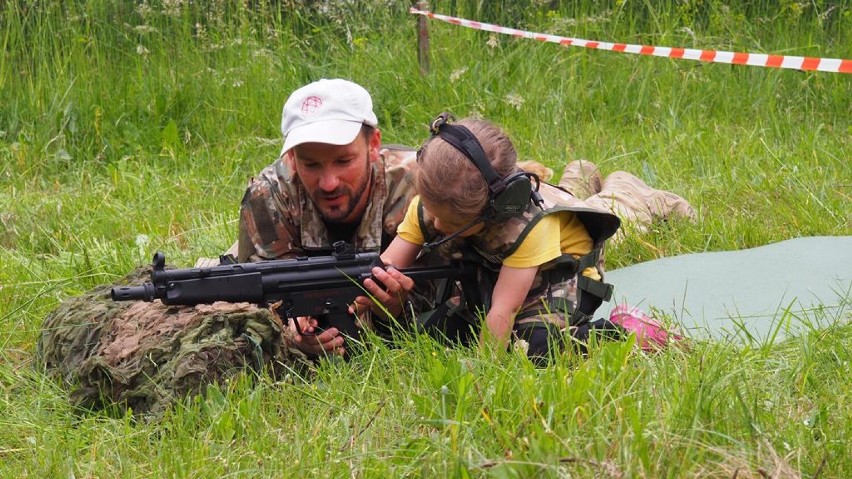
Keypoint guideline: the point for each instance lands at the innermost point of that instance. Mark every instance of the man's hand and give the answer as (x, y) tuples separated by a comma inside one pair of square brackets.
[(327, 342), (390, 291)]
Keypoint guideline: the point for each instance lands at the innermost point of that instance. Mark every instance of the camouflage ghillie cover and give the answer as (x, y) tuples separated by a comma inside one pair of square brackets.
[(145, 356)]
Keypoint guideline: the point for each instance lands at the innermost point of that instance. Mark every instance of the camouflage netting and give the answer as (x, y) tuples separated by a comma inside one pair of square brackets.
[(144, 356)]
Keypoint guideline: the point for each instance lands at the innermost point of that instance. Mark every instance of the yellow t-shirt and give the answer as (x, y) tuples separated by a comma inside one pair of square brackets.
[(409, 229), (554, 235)]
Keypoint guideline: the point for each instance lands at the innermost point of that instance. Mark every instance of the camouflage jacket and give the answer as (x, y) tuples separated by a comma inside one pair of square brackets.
[(278, 220)]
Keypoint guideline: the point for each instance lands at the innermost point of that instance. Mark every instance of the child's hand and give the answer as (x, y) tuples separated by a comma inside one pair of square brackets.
[(390, 288)]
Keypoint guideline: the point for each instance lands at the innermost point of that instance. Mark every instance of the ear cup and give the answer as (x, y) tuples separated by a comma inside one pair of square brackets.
[(512, 200)]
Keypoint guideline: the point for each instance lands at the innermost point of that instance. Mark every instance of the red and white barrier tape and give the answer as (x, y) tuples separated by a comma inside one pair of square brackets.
[(833, 65)]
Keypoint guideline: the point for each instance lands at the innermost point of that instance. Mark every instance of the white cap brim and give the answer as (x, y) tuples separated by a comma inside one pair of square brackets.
[(330, 132)]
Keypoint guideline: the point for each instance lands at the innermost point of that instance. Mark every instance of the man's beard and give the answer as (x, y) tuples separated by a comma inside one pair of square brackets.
[(338, 216)]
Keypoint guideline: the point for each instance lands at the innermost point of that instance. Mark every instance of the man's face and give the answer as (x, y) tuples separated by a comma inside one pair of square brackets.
[(337, 178)]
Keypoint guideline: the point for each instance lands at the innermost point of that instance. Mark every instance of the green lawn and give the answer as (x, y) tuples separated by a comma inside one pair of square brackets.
[(128, 128)]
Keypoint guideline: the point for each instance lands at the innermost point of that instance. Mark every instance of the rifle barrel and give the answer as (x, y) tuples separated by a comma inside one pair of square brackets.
[(146, 292)]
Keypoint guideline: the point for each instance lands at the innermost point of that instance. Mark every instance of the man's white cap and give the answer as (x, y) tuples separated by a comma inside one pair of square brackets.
[(326, 111)]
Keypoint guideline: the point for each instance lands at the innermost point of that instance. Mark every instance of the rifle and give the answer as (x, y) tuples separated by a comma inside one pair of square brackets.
[(322, 287)]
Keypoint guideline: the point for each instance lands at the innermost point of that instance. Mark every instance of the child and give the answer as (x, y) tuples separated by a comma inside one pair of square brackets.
[(529, 240)]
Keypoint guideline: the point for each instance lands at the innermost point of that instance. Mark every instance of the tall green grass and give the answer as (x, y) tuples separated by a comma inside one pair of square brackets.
[(127, 128)]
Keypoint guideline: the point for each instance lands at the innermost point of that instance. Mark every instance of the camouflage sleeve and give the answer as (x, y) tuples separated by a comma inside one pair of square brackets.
[(267, 229), (245, 246), (400, 168)]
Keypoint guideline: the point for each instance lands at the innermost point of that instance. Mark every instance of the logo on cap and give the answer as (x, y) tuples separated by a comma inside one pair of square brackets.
[(311, 105)]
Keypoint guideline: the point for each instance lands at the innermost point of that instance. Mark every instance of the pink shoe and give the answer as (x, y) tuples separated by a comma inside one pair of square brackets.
[(650, 334)]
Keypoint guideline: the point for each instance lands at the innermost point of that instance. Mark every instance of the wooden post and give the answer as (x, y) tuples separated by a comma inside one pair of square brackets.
[(422, 38)]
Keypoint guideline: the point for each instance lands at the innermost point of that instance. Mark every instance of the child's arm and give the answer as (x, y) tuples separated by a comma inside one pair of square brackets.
[(513, 285), (400, 253)]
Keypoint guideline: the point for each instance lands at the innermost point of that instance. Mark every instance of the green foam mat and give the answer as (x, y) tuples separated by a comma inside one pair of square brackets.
[(765, 294)]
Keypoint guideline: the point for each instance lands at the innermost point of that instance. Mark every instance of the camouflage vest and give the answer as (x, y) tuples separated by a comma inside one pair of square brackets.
[(278, 219), (499, 240)]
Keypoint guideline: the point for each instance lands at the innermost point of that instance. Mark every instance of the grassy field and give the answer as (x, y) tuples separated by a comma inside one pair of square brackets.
[(128, 127)]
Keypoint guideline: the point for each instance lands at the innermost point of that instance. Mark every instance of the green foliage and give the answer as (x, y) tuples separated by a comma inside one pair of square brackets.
[(130, 127)]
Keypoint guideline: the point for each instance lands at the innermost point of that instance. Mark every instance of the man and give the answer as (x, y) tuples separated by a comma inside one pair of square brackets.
[(332, 182)]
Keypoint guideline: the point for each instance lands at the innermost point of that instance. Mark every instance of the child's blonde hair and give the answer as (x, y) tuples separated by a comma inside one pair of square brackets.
[(446, 176)]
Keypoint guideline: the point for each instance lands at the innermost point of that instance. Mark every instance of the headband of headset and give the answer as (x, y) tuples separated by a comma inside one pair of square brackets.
[(465, 142)]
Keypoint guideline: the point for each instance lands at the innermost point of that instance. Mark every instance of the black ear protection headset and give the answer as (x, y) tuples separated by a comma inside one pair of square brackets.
[(508, 196)]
